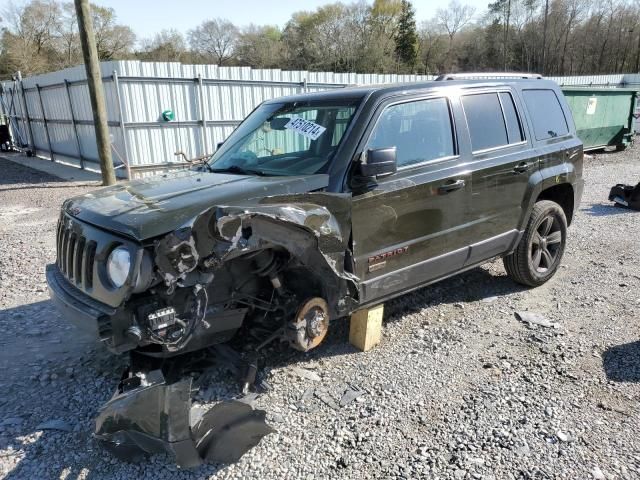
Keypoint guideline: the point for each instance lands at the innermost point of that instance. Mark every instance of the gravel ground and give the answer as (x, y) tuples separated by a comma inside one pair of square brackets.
[(459, 388)]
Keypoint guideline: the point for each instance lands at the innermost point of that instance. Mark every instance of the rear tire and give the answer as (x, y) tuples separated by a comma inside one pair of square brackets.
[(539, 252)]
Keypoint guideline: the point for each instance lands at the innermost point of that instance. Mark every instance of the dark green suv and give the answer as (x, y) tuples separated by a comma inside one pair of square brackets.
[(321, 204)]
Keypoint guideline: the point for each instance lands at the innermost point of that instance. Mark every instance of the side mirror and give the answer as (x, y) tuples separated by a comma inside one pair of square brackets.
[(380, 162)]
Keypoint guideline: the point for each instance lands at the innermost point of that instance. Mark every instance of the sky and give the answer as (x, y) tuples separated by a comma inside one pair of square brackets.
[(147, 17)]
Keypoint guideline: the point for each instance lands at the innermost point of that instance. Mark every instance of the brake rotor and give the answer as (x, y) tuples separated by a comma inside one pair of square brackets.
[(310, 325)]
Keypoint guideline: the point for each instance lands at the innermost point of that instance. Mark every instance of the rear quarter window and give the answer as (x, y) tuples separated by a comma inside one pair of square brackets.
[(514, 128), (546, 114)]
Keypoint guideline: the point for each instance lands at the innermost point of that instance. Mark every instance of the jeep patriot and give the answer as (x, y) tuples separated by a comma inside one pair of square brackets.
[(321, 204)]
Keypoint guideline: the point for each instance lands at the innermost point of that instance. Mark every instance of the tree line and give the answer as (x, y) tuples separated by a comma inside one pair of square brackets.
[(553, 37)]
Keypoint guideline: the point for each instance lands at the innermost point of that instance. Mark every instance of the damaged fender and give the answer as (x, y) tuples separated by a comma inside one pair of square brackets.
[(315, 228)]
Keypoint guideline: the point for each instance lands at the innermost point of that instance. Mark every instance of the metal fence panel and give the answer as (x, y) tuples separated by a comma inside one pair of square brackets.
[(584, 80), (208, 102)]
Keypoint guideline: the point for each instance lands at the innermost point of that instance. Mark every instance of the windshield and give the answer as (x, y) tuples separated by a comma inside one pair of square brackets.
[(298, 138)]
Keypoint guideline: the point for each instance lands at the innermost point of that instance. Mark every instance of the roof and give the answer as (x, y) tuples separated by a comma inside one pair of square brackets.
[(361, 91)]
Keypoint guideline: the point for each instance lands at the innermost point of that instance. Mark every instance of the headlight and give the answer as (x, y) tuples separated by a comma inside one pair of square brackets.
[(118, 266)]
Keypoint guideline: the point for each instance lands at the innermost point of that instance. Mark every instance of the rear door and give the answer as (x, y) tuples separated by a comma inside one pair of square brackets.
[(407, 227), (501, 163)]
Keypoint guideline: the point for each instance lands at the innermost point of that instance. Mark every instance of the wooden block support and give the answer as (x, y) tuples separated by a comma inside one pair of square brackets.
[(365, 331)]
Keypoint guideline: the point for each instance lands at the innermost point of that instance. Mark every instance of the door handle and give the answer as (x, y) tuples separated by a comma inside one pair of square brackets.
[(451, 186), (521, 167)]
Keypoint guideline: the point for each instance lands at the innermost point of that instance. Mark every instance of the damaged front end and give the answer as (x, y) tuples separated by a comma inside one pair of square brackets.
[(258, 266), (277, 268)]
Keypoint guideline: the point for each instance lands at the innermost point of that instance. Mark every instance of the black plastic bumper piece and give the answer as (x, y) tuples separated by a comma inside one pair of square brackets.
[(83, 311), (626, 195), (149, 415)]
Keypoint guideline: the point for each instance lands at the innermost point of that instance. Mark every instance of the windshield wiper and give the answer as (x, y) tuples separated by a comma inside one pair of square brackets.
[(239, 170)]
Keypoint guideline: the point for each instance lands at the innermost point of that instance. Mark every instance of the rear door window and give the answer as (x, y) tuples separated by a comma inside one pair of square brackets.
[(493, 120), (485, 120), (546, 114), (420, 130)]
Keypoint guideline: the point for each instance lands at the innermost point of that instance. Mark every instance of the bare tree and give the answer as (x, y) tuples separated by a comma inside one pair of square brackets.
[(36, 22), (42, 35), (165, 46), (562, 37), (432, 46), (69, 39), (453, 19), (215, 39), (112, 40), (29, 37), (260, 46), (575, 9)]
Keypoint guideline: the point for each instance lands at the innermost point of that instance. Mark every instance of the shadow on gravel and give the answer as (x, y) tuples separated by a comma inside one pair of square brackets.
[(606, 209), (622, 363), (478, 284), (96, 372), (14, 173), (32, 336), (475, 285), (39, 344)]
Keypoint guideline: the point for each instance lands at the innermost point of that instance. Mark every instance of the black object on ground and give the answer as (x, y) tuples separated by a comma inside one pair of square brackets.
[(626, 195), (151, 412)]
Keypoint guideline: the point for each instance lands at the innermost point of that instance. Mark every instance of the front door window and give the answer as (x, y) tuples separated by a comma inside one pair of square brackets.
[(421, 131)]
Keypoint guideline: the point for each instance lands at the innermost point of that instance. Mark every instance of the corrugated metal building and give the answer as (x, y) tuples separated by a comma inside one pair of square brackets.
[(51, 113), (207, 102)]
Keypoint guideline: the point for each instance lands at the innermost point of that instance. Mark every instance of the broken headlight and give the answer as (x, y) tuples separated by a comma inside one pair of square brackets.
[(118, 266)]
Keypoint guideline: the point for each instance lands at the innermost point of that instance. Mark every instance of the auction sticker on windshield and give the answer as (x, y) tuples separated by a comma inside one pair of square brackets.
[(306, 128)]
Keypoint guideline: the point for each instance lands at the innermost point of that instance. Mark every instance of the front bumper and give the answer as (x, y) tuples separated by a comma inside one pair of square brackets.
[(110, 324), (83, 311)]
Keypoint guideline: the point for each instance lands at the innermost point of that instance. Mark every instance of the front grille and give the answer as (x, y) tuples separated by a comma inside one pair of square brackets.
[(76, 256)]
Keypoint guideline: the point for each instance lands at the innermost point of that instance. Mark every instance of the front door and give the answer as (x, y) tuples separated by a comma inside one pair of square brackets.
[(409, 228)]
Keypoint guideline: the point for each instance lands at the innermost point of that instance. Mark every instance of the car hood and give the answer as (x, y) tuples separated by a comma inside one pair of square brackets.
[(153, 206)]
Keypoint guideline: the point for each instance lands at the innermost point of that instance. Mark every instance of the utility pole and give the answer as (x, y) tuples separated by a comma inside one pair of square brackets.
[(96, 91), (544, 36), (506, 35), (637, 69)]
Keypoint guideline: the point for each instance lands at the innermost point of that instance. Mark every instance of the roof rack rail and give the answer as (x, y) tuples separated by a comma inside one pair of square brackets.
[(483, 75)]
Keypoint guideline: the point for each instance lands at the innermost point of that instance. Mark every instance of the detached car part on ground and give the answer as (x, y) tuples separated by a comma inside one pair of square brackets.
[(151, 412), (626, 195), (316, 206)]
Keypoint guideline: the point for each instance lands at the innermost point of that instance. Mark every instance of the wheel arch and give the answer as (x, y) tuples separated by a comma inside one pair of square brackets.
[(563, 195)]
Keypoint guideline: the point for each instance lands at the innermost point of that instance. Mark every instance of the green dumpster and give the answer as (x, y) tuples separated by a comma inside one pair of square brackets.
[(603, 116)]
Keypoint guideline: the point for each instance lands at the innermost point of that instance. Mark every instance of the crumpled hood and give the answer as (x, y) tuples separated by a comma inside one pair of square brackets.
[(153, 206)]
